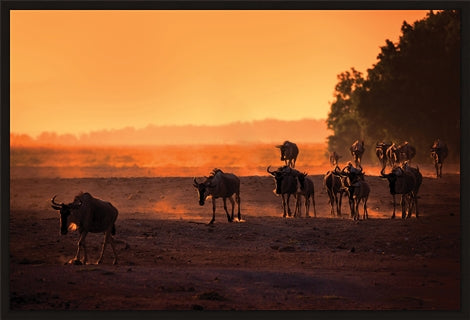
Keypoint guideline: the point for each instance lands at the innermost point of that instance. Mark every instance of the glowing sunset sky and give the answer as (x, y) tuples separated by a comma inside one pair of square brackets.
[(79, 71)]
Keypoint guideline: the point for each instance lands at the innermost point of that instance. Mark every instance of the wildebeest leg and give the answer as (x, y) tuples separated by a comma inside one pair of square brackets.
[(81, 244), (356, 209), (298, 203), (366, 214), (307, 206), (107, 238), (339, 203), (351, 207), (233, 207), (332, 201), (403, 205), (225, 208), (237, 198), (394, 204), (213, 211), (284, 204), (314, 208), (413, 205), (289, 212)]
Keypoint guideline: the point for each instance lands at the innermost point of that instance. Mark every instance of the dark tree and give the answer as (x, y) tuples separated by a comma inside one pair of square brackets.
[(412, 93)]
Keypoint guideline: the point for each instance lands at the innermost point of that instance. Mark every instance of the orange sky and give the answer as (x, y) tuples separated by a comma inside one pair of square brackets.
[(80, 71)]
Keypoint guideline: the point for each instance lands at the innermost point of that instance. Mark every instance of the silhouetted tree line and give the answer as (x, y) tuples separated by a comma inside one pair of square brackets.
[(411, 94)]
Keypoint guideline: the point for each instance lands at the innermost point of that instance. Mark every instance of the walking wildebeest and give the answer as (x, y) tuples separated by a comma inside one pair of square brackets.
[(405, 181), (356, 188), (334, 189), (289, 153), (89, 214), (285, 179), (357, 150), (381, 152), (439, 152), (307, 191), (220, 185)]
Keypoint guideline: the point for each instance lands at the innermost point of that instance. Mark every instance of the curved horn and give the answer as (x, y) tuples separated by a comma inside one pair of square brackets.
[(55, 205), (382, 173), (196, 184), (53, 201), (270, 172)]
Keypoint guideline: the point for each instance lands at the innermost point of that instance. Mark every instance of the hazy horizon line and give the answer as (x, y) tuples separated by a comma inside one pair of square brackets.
[(256, 131)]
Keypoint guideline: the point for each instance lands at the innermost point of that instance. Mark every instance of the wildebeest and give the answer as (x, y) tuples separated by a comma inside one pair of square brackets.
[(405, 181), (439, 152), (381, 152), (401, 153), (289, 153), (356, 188), (286, 182), (220, 185), (357, 150), (89, 214), (334, 157), (307, 191), (334, 190)]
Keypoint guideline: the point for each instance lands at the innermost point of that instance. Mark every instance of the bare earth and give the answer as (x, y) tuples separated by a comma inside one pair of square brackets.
[(171, 259)]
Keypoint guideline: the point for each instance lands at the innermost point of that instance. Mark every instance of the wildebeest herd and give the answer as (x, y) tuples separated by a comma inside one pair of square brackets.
[(89, 214)]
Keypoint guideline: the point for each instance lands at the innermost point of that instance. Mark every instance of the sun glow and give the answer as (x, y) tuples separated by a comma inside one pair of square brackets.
[(76, 71)]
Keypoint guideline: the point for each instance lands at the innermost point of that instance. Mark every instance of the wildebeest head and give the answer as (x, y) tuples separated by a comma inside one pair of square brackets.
[(202, 189), (277, 178), (392, 177), (283, 148), (65, 210), (285, 179)]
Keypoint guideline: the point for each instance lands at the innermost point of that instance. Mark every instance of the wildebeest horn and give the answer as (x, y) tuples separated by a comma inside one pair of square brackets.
[(382, 173), (55, 205), (195, 182), (270, 172)]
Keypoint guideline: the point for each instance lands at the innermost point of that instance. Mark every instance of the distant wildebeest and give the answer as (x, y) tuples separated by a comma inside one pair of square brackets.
[(401, 153), (220, 185), (88, 214), (289, 153), (334, 157), (405, 181), (356, 188), (381, 152), (439, 152), (307, 191), (334, 190), (287, 185), (357, 150)]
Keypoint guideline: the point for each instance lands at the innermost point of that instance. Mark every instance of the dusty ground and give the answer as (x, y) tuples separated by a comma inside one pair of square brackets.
[(171, 259)]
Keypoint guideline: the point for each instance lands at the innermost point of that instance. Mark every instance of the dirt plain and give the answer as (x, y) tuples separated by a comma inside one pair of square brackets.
[(171, 259)]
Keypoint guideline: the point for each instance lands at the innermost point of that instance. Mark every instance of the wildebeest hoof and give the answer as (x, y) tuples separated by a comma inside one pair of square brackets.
[(75, 262)]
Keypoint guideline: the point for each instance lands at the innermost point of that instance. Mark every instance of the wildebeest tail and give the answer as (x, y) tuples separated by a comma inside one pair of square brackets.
[(113, 230)]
